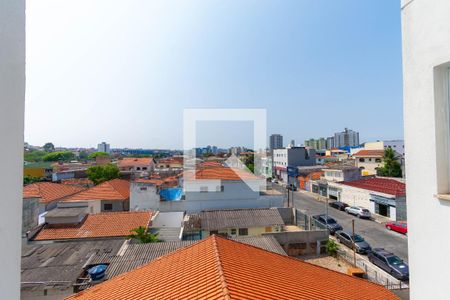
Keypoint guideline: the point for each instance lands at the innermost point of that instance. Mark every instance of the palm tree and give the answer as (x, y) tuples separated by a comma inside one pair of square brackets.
[(391, 167), (143, 236)]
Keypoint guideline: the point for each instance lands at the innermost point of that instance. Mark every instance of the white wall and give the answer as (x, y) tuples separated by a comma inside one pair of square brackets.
[(426, 44), (12, 99)]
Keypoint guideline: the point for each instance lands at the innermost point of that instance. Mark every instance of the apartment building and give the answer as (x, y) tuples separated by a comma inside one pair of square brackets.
[(291, 157)]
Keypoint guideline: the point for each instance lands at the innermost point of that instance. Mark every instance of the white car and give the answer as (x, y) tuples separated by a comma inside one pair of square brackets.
[(358, 211)]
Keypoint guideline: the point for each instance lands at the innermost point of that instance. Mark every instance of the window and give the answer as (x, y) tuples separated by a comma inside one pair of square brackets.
[(214, 232), (378, 160), (143, 188), (138, 168), (220, 188), (268, 229), (203, 189), (144, 168), (361, 160), (233, 231), (243, 231), (107, 206)]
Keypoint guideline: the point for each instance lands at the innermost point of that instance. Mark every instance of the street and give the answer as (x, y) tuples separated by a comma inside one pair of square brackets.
[(374, 233)]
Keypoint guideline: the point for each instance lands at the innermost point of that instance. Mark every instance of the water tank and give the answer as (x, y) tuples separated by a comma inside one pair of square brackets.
[(97, 272)]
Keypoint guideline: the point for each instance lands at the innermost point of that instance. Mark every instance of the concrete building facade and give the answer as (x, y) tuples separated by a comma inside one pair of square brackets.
[(346, 138), (276, 141)]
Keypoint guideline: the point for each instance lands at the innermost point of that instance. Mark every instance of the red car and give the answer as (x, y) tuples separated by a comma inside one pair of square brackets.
[(401, 227)]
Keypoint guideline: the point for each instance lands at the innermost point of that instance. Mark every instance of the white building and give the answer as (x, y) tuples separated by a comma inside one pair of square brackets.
[(104, 147), (291, 157), (397, 145), (346, 138), (426, 63)]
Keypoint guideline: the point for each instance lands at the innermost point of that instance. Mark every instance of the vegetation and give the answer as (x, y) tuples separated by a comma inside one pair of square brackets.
[(30, 179), (332, 247), (59, 156), (249, 161), (99, 174), (208, 154), (98, 154), (49, 147), (34, 155), (391, 166), (83, 155), (143, 236)]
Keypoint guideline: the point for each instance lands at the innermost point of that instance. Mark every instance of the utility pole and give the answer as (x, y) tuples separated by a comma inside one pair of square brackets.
[(354, 248)]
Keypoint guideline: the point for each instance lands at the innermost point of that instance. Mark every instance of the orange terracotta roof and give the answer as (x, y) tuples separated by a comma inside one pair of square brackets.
[(210, 164), (150, 181), (49, 191), (222, 173), (217, 268), (135, 161), (110, 224), (116, 189), (369, 153)]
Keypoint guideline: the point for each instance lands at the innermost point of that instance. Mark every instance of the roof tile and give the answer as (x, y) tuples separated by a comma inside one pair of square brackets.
[(49, 191), (116, 189)]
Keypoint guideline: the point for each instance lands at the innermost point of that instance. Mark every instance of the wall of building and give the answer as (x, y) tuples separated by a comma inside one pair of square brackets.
[(426, 44), (252, 231), (143, 197), (369, 165), (231, 190), (30, 214), (116, 205), (12, 101)]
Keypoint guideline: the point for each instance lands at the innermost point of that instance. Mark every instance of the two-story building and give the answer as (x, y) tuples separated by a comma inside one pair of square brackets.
[(291, 157), (136, 167), (368, 161)]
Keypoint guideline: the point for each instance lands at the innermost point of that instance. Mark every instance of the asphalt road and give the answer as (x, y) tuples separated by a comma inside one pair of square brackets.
[(374, 233)]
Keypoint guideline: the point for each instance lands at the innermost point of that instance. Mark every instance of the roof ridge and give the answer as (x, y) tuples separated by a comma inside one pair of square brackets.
[(223, 281)]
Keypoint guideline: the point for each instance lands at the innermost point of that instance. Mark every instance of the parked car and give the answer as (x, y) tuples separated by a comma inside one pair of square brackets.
[(390, 263), (346, 238), (338, 205), (328, 222), (401, 227), (358, 211)]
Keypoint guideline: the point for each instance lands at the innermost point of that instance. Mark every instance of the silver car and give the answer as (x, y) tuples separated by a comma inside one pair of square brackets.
[(358, 211)]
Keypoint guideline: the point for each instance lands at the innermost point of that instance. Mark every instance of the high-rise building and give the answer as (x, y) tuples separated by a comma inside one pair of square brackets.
[(276, 141), (103, 147), (330, 142), (318, 144), (346, 138)]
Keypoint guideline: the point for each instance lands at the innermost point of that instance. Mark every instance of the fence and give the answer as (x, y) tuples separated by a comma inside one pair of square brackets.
[(377, 276)]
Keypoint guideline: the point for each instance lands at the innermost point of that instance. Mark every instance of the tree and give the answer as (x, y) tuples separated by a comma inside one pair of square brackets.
[(99, 174), (34, 155), (49, 147), (391, 166), (143, 236), (59, 156), (83, 155), (332, 247), (249, 161), (97, 154), (28, 179)]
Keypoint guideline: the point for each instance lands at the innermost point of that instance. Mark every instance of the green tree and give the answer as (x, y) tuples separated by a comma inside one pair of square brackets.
[(143, 236), (97, 154), (30, 179), (49, 147), (99, 174), (34, 155), (59, 156), (332, 247), (391, 166), (249, 161), (83, 155)]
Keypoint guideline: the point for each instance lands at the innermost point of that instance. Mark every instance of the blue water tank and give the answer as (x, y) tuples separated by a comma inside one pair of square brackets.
[(97, 272)]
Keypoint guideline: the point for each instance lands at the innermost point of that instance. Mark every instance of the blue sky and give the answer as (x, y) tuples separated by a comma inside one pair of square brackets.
[(123, 71)]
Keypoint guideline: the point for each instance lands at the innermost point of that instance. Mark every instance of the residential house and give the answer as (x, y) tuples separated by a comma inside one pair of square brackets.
[(39, 170), (382, 196), (214, 187), (80, 225), (41, 197), (109, 196), (291, 157), (368, 161), (218, 268), (396, 145), (136, 167), (235, 222), (170, 163)]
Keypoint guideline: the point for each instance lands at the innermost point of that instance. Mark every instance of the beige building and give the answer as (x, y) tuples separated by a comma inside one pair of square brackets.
[(368, 161)]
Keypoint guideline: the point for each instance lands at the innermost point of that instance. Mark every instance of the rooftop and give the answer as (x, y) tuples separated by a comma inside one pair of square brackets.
[(369, 153), (381, 185), (48, 191), (101, 225), (134, 161), (222, 173), (239, 218), (116, 189), (133, 256), (217, 268)]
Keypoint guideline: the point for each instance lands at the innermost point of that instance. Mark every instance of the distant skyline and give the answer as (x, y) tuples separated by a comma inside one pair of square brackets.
[(122, 72)]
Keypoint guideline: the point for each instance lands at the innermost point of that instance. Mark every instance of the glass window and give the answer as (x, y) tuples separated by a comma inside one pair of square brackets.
[(233, 231), (107, 206), (243, 231)]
